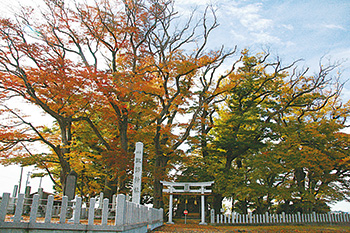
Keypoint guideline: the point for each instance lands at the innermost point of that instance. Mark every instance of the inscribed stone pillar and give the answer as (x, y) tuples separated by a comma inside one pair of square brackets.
[(136, 191), (71, 183)]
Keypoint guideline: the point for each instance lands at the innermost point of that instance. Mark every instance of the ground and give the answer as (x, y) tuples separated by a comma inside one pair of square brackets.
[(192, 226)]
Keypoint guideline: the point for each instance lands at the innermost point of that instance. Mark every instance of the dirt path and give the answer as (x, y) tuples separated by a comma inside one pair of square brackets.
[(192, 226)]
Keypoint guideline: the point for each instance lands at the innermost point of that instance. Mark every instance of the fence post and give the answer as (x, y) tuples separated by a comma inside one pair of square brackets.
[(19, 208), (149, 215), (77, 210), (49, 205), (299, 217), (105, 211), (3, 207), (212, 216), (34, 209), (92, 211), (113, 202), (63, 214), (267, 217), (120, 210), (100, 200), (161, 211)]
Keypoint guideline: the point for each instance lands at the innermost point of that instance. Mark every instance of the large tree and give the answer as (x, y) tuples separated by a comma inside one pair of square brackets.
[(122, 71), (263, 96)]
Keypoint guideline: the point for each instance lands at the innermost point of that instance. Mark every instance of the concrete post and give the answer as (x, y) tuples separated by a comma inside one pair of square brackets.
[(19, 208), (203, 208), (49, 207), (77, 210), (100, 200), (15, 190), (64, 206), (26, 200), (3, 206), (105, 211), (92, 211), (113, 202), (263, 218), (171, 209), (34, 209), (120, 210), (212, 216)]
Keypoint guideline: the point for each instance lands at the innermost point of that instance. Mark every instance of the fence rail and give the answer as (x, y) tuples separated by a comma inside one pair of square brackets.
[(64, 216), (278, 218)]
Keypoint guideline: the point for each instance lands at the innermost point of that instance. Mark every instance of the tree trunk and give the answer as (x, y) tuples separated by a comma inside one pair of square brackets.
[(217, 202), (110, 188), (65, 125), (159, 175)]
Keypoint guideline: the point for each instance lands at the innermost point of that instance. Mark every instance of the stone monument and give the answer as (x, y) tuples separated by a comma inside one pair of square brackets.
[(71, 183), (136, 190)]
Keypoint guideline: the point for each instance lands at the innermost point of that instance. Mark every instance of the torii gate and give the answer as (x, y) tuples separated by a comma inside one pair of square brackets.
[(187, 190)]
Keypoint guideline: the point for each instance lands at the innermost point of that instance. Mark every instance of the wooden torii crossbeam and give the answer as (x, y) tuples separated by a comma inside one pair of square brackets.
[(199, 189)]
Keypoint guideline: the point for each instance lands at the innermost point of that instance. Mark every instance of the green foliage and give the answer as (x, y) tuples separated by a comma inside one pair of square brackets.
[(276, 144)]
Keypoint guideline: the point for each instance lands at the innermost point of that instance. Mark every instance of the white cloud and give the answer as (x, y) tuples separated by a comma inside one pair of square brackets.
[(334, 26), (288, 27), (249, 16), (265, 38)]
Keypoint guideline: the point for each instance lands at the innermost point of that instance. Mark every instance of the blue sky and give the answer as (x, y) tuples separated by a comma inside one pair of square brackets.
[(292, 29)]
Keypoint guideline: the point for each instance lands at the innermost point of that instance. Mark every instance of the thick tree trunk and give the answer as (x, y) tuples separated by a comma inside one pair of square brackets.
[(217, 202), (159, 175), (111, 186)]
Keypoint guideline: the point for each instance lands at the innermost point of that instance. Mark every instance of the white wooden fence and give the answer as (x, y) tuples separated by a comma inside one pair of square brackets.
[(283, 218), (121, 216)]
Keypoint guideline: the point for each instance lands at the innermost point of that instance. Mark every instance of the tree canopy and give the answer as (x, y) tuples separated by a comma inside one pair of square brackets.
[(113, 73)]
